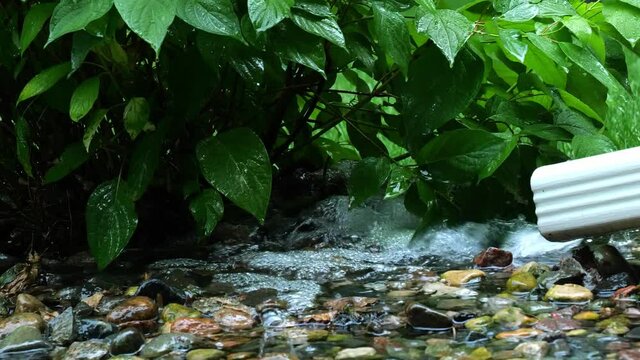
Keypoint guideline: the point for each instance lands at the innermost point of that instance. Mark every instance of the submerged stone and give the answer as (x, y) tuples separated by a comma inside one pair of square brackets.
[(356, 353), (205, 354), (493, 257), (521, 282), (127, 341), (87, 350), (438, 289), (197, 326), (22, 339), (133, 309), (569, 293), (166, 343), (62, 329), (479, 324), (173, 311), (424, 318), (519, 333), (510, 317), (461, 277), (533, 349)]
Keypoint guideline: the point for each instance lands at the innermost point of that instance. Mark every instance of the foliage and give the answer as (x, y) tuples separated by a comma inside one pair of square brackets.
[(450, 103)]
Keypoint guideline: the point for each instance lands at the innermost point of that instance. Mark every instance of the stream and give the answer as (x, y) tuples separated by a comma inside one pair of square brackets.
[(356, 284)]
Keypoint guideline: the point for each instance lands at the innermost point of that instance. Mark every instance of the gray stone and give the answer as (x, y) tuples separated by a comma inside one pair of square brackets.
[(22, 339), (87, 350), (62, 329), (166, 343), (127, 341)]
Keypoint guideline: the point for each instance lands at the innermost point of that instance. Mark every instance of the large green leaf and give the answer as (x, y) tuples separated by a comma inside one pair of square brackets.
[(590, 145), (516, 10), (367, 178), (92, 126), (236, 164), (33, 22), (207, 209), (150, 19), (74, 15), (136, 116), (111, 220), (265, 14), (447, 28), (511, 42), (400, 179), (549, 48), (44, 81), (545, 67), (464, 154), (293, 44), (435, 93), (23, 145), (82, 43), (585, 59), (624, 18), (143, 164), (72, 158), (392, 34), (83, 98), (325, 27), (213, 16)]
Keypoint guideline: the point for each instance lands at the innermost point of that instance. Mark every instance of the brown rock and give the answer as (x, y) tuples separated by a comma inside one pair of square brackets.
[(519, 333), (133, 309), (16, 320), (493, 257), (29, 303), (197, 326), (233, 319), (631, 354)]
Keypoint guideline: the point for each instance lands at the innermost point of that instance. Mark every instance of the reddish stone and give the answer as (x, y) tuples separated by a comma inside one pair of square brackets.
[(197, 326), (493, 257), (631, 354), (133, 309), (625, 291)]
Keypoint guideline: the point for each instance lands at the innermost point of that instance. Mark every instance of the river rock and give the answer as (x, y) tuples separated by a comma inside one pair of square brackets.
[(438, 289), (22, 319), (29, 303), (556, 323), (205, 354), (569, 293), (534, 268), (629, 354), (461, 277), (493, 257), (173, 311), (356, 353), (587, 316), (533, 349), (127, 341), (479, 324), (62, 329), (511, 317), (87, 350), (422, 317), (519, 333), (158, 289), (133, 309), (95, 329), (233, 319), (166, 343), (521, 282), (203, 327), (569, 271), (22, 339)]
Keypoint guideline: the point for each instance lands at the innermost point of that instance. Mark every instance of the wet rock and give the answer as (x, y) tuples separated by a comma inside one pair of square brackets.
[(615, 325), (519, 333), (205, 354), (536, 307), (629, 354), (87, 350), (534, 268), (242, 355), (556, 323), (23, 338), (127, 341), (569, 271), (560, 348), (157, 289), (233, 319), (511, 317), (95, 329), (132, 309), (577, 332), (605, 259), (173, 311), (108, 303), (29, 303), (424, 318), (356, 353), (479, 324), (17, 320), (587, 316), (634, 334), (438, 289), (533, 349), (461, 277), (521, 282), (62, 329), (166, 343), (493, 257), (569, 293), (203, 327), (496, 303)]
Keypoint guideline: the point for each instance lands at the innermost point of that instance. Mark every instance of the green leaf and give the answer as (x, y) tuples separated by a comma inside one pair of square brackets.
[(622, 123), (293, 44), (366, 179), (585, 59), (44, 81), (590, 145), (511, 42), (207, 209), (82, 43), (23, 145), (574, 123), (237, 165), (463, 154), (326, 28), (150, 19), (624, 18), (400, 179), (136, 115), (516, 10), (447, 28), (72, 158), (265, 14), (33, 22), (74, 15), (391, 31), (83, 98), (435, 93), (111, 221), (633, 70), (144, 161), (553, 8), (336, 151), (314, 7), (549, 48), (92, 126), (213, 16), (543, 66)]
